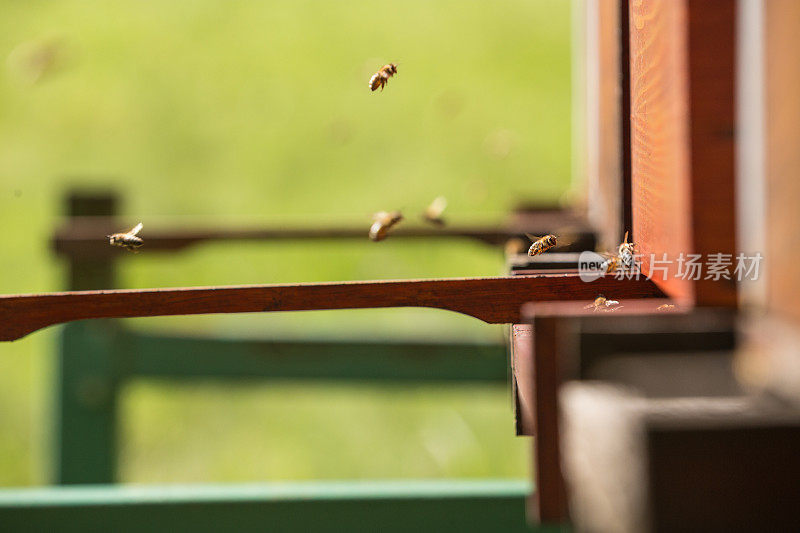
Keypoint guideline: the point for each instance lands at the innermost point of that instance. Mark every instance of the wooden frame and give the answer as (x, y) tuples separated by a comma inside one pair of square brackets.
[(493, 300), (683, 146)]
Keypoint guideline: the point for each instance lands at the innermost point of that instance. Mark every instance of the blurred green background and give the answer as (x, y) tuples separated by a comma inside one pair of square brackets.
[(244, 111)]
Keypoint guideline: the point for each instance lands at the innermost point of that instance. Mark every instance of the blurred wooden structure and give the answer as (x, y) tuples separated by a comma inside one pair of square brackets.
[(652, 419)]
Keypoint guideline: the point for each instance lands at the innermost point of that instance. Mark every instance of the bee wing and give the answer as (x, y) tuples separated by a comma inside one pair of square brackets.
[(437, 206), (533, 238), (136, 229)]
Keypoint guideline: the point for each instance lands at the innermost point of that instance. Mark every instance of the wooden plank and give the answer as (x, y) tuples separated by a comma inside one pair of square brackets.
[(659, 138), (493, 300), (782, 132), (550, 496), (680, 463), (682, 119), (557, 344), (607, 119), (521, 344)]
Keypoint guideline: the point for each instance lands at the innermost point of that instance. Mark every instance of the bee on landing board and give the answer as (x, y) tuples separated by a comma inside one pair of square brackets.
[(433, 213), (626, 253), (601, 303), (624, 259), (128, 239), (611, 264), (383, 222), (665, 307), (380, 78), (541, 244)]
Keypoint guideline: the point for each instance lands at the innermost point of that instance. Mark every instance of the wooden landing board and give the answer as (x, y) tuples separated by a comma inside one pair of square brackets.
[(682, 55), (493, 300)]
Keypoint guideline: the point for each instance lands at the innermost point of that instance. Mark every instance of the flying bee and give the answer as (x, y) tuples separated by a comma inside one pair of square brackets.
[(541, 244), (380, 78), (665, 307), (128, 239), (625, 254), (433, 213), (601, 303), (383, 222)]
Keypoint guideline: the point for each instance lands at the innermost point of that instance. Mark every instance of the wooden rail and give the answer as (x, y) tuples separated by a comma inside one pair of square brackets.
[(494, 300), (85, 236)]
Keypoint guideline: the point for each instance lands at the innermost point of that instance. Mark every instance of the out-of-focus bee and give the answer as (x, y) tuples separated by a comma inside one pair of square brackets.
[(33, 61), (541, 244), (383, 222), (433, 213), (380, 78), (626, 253), (601, 303), (128, 239), (665, 307)]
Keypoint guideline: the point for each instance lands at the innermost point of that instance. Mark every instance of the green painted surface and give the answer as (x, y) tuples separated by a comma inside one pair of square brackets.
[(195, 357)]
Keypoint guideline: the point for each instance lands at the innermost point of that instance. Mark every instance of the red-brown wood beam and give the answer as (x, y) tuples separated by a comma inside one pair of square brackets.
[(493, 300)]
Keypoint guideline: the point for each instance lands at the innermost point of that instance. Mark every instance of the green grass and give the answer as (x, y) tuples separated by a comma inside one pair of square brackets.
[(232, 111)]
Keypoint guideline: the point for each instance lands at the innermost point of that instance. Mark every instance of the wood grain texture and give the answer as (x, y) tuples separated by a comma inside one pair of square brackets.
[(683, 150), (493, 300), (659, 133)]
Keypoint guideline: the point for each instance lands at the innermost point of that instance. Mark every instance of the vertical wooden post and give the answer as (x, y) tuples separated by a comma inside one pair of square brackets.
[(550, 497), (682, 140), (86, 381)]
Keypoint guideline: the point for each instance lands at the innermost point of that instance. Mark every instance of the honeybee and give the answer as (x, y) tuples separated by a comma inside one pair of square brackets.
[(383, 222), (623, 259), (380, 78), (611, 264), (601, 303), (625, 254), (433, 213), (665, 307), (128, 239), (541, 244)]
